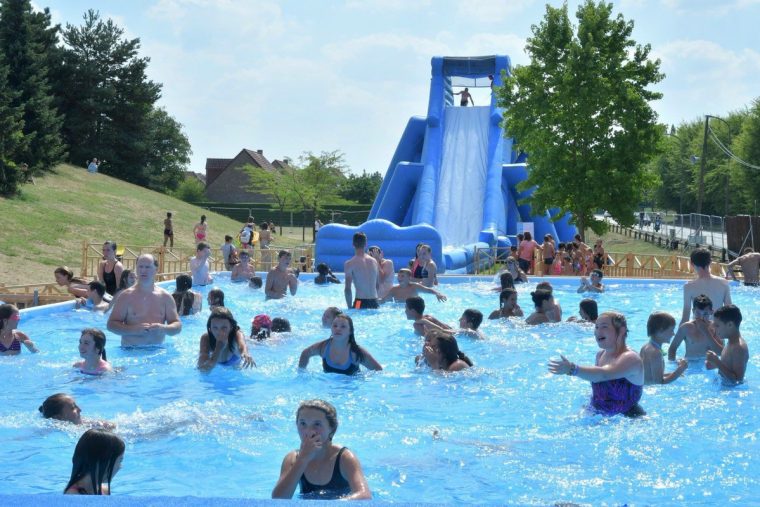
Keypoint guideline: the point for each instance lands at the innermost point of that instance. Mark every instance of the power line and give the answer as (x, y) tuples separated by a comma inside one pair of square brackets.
[(729, 153)]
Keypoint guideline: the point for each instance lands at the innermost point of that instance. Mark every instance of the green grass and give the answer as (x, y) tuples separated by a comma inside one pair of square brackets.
[(45, 226), (618, 243)]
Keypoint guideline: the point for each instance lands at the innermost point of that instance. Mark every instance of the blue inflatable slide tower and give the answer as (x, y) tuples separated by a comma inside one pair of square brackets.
[(452, 182)]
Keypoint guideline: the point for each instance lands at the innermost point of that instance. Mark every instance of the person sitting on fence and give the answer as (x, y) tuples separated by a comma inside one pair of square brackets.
[(714, 287), (698, 333), (64, 277), (94, 300), (406, 288), (750, 264), (325, 275), (188, 301), (242, 271), (199, 265), (588, 311), (281, 278), (508, 306), (594, 284)]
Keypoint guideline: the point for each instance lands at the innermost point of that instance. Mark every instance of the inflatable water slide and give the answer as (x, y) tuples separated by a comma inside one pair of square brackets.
[(452, 182)]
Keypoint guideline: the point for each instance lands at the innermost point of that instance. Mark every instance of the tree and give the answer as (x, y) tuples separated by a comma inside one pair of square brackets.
[(318, 180), (168, 151), (11, 134), (581, 111), (24, 40), (108, 100), (277, 185), (361, 189), (747, 148), (190, 190)]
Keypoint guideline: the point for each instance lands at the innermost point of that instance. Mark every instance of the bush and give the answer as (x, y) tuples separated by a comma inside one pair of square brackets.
[(190, 190)]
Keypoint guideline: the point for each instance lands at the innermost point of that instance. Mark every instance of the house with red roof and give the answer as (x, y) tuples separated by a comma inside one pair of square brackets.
[(227, 181)]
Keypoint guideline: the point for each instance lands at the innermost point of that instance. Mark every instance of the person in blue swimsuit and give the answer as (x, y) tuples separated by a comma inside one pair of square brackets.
[(340, 353), (223, 342), (323, 469), (617, 377)]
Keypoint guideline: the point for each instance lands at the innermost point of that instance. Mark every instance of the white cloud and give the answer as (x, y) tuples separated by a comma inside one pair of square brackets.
[(491, 10), (387, 5)]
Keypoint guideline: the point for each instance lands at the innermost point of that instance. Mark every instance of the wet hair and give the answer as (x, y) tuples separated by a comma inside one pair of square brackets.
[(425, 247), (449, 348), (220, 312), (359, 240), (334, 310), (322, 269), (53, 405), (330, 413), (659, 321), (216, 296), (702, 302), (590, 307), (65, 271), (6, 310), (95, 455), (111, 244), (280, 325), (99, 338), (203, 218), (201, 246), (351, 338), (183, 296), (123, 279), (618, 321), (598, 272), (545, 286), (284, 253), (539, 296), (474, 317), (700, 257), (256, 281), (98, 287), (505, 294), (729, 313), (561, 246), (507, 281), (416, 303), (527, 236)]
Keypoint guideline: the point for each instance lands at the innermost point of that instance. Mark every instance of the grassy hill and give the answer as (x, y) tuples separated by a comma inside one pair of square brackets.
[(46, 225)]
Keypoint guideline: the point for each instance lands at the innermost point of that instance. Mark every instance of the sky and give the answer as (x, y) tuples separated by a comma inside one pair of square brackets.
[(293, 76)]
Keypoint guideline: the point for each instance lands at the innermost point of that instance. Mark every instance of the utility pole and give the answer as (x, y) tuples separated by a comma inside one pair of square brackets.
[(703, 162)]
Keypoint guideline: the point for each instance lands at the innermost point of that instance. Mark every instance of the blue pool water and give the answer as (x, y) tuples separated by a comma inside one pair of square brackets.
[(507, 431)]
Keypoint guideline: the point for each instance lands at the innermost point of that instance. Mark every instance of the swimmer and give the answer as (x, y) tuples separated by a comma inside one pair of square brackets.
[(255, 282), (508, 306), (555, 312), (63, 407), (10, 337), (319, 465), (75, 286), (215, 298), (441, 352), (243, 270), (328, 316), (544, 304), (698, 333), (92, 349), (144, 314), (187, 300), (732, 362), (385, 270), (94, 300), (424, 269), (588, 311), (506, 281), (617, 377), (361, 271), (280, 325), (281, 278), (414, 308), (199, 265), (340, 353), (261, 327), (223, 342), (750, 267), (714, 287), (469, 323), (325, 276), (97, 459), (660, 328), (594, 284), (406, 288)]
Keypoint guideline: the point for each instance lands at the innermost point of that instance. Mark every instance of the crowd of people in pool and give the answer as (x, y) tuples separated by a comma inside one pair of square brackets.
[(143, 314)]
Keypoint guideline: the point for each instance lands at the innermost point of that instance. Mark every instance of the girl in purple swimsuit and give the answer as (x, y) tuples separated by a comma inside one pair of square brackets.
[(10, 337), (617, 377)]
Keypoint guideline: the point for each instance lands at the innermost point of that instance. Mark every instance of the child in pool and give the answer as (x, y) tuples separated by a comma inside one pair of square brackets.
[(340, 353), (10, 337), (508, 306), (328, 316), (223, 342), (320, 466), (215, 298), (441, 352), (698, 334), (63, 407), (732, 362), (97, 458), (660, 326), (588, 312), (325, 276), (544, 304), (92, 349)]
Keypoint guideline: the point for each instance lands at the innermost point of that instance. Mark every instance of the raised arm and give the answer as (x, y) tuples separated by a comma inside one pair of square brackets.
[(667, 378), (429, 290)]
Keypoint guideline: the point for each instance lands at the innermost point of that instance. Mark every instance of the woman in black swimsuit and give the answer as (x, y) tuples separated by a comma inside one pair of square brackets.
[(322, 468), (109, 269)]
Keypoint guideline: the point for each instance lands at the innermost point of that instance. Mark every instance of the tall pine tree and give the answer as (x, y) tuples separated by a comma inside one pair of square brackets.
[(24, 38), (11, 136)]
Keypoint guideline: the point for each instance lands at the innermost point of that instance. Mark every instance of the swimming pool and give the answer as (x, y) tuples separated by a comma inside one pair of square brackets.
[(505, 431)]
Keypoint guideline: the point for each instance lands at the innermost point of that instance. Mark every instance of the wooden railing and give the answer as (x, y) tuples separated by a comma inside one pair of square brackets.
[(25, 296)]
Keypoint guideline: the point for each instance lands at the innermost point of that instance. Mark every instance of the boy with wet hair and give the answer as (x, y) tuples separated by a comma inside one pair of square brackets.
[(594, 284), (714, 287), (415, 310), (94, 300), (281, 278), (325, 275), (660, 328), (588, 311), (698, 333), (406, 288), (255, 282), (732, 362)]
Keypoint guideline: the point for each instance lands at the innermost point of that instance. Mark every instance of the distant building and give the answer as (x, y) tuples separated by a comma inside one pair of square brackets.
[(226, 181)]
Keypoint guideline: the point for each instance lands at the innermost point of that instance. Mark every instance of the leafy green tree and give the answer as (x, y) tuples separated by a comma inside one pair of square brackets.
[(168, 151), (24, 39), (318, 181), (277, 185), (747, 147), (11, 135), (581, 111), (190, 190), (108, 100), (361, 189)]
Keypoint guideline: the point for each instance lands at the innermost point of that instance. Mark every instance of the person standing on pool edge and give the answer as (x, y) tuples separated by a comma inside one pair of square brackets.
[(362, 271), (144, 314)]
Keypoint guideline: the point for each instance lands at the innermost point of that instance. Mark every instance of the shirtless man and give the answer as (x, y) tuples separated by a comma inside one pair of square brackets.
[(386, 270), (362, 271), (713, 287), (750, 263), (265, 236), (415, 310), (199, 265), (466, 97), (406, 288), (698, 333), (94, 300), (732, 363), (168, 230), (144, 313), (243, 270), (281, 277)]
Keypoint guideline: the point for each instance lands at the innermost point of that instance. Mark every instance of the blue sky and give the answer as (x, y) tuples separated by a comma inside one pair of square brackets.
[(312, 75)]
